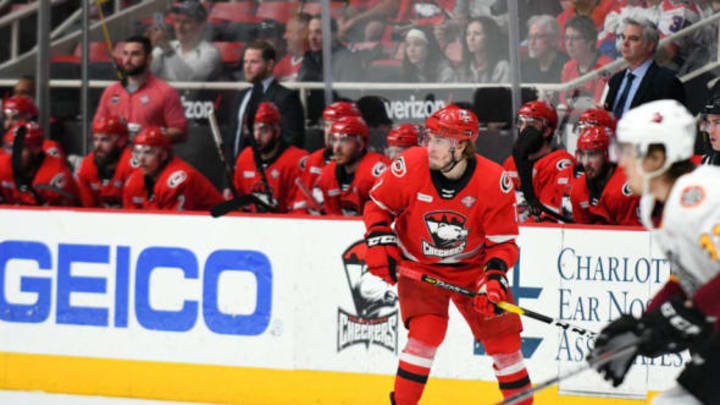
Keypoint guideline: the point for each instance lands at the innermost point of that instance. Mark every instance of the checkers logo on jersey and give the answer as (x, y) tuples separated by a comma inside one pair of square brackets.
[(626, 190), (506, 184), (563, 164), (176, 178), (448, 232), (378, 169), (375, 320), (692, 196), (398, 167)]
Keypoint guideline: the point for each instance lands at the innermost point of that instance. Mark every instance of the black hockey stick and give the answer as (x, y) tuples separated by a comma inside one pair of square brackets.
[(593, 363), (416, 275), (220, 147), (236, 203)]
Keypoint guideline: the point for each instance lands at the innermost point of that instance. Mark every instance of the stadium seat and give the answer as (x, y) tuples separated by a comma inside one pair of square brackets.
[(277, 10), (243, 11), (98, 52), (230, 52), (336, 8)]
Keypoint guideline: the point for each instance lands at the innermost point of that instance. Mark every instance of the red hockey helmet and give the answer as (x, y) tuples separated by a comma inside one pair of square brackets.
[(267, 113), (596, 117), (110, 124), (595, 138), (453, 122), (34, 135), (404, 135), (540, 110), (153, 136), (351, 126), (341, 109), (20, 104)]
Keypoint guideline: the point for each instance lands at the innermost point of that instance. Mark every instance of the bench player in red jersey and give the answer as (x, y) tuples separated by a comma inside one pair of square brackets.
[(22, 108), (601, 195), (454, 218), (400, 138), (164, 181), (103, 173)]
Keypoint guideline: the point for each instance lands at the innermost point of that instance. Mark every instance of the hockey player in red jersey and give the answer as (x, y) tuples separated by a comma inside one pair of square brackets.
[(344, 184), (546, 171), (22, 108), (28, 175), (400, 138), (680, 206), (164, 181), (601, 195), (281, 164), (103, 173), (321, 157), (454, 218)]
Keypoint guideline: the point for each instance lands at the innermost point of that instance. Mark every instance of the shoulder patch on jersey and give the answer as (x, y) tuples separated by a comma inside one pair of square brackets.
[(468, 201), (59, 180), (563, 164), (378, 169), (303, 162), (506, 184), (274, 173), (176, 178), (54, 152), (397, 167), (692, 196), (134, 163), (626, 190)]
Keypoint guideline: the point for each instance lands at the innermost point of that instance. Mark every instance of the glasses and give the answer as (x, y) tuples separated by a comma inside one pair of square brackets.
[(538, 37)]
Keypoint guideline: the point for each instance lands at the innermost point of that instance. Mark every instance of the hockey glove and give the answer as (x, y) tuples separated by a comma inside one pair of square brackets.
[(493, 289), (618, 333), (674, 327), (382, 254)]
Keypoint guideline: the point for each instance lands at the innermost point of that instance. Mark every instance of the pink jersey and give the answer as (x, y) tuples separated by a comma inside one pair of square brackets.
[(155, 103)]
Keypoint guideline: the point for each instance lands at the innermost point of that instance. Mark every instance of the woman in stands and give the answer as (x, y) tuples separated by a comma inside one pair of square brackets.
[(484, 58), (423, 61)]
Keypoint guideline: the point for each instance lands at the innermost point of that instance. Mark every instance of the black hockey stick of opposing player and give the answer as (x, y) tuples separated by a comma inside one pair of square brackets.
[(416, 275), (593, 363)]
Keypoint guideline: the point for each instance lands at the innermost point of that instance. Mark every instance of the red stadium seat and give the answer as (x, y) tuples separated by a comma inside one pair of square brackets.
[(98, 52), (277, 10), (336, 8), (242, 11), (230, 52)]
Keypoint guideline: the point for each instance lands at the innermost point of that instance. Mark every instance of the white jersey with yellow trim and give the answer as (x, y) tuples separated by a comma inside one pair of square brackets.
[(689, 234)]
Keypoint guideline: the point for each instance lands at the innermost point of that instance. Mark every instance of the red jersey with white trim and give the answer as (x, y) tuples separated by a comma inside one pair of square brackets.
[(281, 173), (593, 89), (106, 192), (344, 194), (448, 228), (179, 187), (52, 173), (287, 68), (316, 161), (551, 175), (155, 103), (616, 204)]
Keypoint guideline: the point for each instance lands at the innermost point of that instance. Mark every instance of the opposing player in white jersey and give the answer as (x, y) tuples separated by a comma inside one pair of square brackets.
[(680, 206)]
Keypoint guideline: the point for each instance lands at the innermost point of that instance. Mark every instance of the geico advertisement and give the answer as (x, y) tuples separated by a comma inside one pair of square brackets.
[(137, 286)]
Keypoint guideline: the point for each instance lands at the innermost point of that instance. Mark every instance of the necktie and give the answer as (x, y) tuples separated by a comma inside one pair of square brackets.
[(620, 106), (248, 117)]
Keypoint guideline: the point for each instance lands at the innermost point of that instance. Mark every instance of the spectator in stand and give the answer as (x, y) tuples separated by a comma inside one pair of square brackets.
[(143, 100), (539, 170), (596, 10), (643, 80), (383, 10), (296, 38), (601, 195), (25, 86), (189, 57), (580, 42), (164, 181), (711, 127), (103, 173), (423, 61), (281, 164), (613, 25), (400, 138), (29, 176), (545, 60), (344, 185), (20, 108), (484, 55), (258, 64)]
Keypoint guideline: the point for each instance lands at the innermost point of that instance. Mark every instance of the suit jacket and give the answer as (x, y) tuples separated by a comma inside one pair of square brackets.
[(291, 110), (657, 84)]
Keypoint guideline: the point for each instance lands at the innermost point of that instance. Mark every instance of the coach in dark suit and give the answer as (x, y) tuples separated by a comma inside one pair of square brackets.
[(643, 80), (258, 63)]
